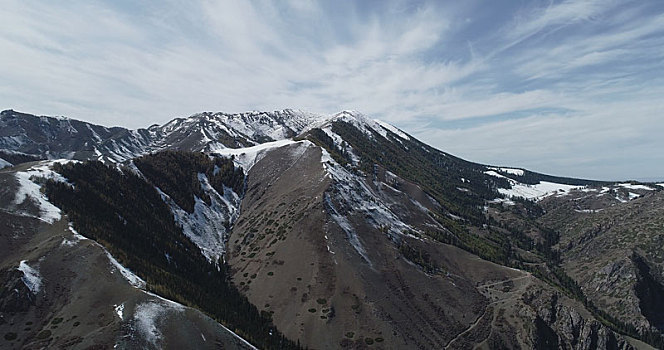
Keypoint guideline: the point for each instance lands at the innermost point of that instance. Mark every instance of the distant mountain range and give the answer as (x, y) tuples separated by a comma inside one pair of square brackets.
[(288, 229)]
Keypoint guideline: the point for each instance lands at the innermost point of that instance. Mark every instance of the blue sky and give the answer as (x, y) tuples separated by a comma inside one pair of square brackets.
[(570, 88)]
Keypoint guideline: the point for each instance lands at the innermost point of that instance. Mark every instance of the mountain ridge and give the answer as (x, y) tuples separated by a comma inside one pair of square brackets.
[(323, 198)]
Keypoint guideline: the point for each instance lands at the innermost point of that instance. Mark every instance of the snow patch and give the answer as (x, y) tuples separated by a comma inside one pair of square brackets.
[(539, 191), (4, 163), (248, 156), (635, 187), (30, 190), (342, 221), (74, 240), (148, 315), (208, 225), (504, 201), (77, 235), (341, 144), (511, 171), (588, 210), (134, 280), (588, 190), (354, 196), (31, 277), (392, 128), (495, 174), (119, 310), (533, 192)]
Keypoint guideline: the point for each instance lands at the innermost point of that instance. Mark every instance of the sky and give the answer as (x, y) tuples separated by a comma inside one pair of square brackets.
[(573, 88)]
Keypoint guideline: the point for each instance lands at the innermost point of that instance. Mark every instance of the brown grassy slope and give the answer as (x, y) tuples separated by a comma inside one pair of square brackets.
[(295, 262)]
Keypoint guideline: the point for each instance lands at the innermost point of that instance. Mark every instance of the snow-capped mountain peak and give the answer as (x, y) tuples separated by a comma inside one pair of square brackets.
[(44, 137)]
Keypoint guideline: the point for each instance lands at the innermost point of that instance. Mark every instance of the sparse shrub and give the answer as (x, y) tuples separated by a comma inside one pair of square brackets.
[(45, 334)]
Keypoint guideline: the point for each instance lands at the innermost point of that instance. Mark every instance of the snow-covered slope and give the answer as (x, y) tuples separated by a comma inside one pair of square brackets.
[(246, 157), (208, 226), (29, 195), (535, 192)]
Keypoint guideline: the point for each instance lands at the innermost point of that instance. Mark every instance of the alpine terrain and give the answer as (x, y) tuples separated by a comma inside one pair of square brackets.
[(290, 230)]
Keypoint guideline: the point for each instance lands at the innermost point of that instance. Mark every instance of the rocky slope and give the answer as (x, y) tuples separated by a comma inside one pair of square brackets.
[(613, 248)]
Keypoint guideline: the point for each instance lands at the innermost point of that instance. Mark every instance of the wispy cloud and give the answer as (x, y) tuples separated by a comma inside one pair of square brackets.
[(459, 75)]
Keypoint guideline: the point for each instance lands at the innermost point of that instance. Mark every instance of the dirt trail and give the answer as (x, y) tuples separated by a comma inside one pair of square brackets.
[(504, 296)]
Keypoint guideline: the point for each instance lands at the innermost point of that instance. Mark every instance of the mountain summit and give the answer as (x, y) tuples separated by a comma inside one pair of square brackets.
[(288, 229)]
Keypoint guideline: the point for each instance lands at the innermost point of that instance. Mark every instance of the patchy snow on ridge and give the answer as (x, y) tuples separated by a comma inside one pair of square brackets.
[(511, 171), (351, 235), (119, 310), (493, 173), (588, 210), (539, 191), (393, 129), (31, 190), (134, 280), (355, 118), (76, 237), (31, 277), (4, 163), (354, 196), (636, 187), (147, 317), (248, 156), (504, 201), (533, 192), (341, 144)]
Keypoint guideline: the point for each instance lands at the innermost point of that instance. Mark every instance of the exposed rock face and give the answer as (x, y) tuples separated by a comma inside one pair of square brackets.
[(650, 292), (559, 325), (614, 251), (15, 296)]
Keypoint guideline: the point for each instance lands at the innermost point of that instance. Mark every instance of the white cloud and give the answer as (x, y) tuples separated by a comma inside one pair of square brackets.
[(542, 18), (409, 63), (600, 143)]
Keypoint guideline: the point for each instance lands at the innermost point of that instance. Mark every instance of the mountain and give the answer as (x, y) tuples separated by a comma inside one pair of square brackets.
[(59, 137), (293, 229)]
